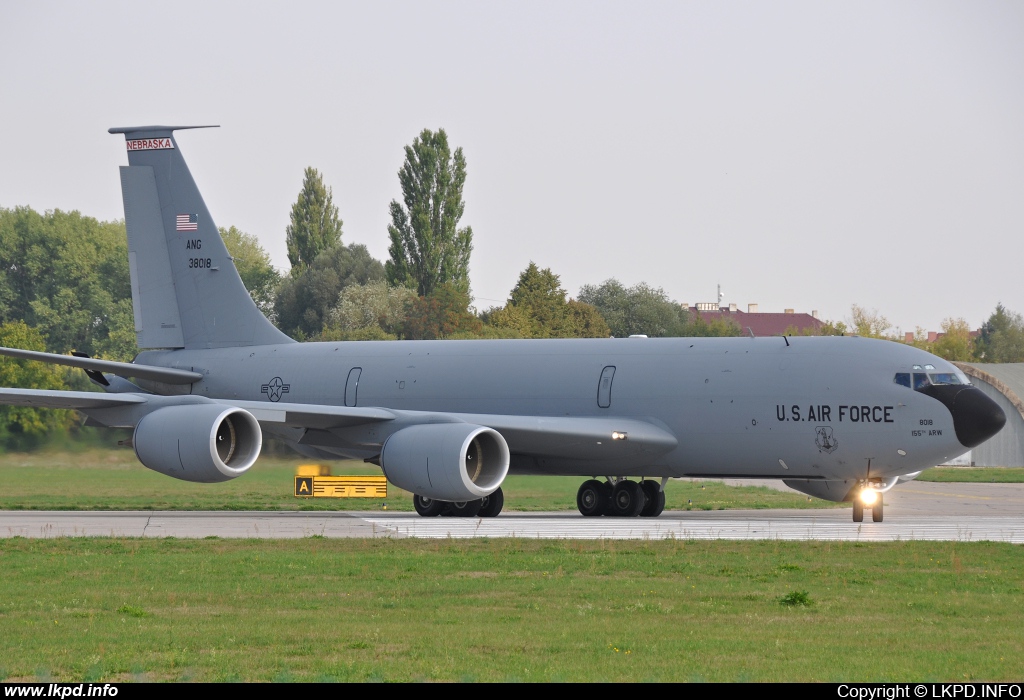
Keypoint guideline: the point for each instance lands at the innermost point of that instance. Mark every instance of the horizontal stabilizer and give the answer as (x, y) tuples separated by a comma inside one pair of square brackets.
[(48, 398), (138, 129), (165, 375)]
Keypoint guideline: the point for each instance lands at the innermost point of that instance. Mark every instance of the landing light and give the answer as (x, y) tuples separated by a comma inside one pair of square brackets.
[(868, 496), (616, 435)]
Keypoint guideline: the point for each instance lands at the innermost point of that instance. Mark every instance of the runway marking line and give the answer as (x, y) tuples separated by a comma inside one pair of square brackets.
[(961, 495)]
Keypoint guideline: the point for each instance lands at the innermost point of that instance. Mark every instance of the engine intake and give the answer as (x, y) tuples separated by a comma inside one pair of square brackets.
[(204, 443), (446, 461)]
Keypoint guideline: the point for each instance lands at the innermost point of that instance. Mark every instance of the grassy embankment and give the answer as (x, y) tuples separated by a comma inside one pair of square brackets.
[(316, 609), (114, 480), (977, 475)]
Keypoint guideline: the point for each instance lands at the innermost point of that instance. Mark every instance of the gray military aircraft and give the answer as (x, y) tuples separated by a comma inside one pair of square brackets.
[(840, 418)]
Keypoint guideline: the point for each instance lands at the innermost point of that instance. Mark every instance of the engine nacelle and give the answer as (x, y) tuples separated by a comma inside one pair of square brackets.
[(446, 461), (205, 443)]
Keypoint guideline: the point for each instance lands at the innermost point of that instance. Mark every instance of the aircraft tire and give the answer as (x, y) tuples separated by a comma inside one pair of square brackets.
[(655, 499), (628, 499), (427, 507), (876, 510), (609, 504), (592, 498), (858, 510), (492, 505), (466, 509)]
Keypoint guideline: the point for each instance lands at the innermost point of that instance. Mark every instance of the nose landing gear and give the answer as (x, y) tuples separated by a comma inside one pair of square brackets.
[(623, 499), (871, 498)]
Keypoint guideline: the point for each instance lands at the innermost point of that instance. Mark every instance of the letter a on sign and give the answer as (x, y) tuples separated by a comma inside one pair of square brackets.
[(303, 486)]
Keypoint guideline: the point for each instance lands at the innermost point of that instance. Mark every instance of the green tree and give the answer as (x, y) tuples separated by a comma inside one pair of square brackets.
[(826, 328), (584, 321), (955, 343), (315, 225), (537, 308), (1002, 337), (371, 311), (868, 323), (443, 314), (67, 276), (637, 310), (832, 328), (304, 301), (719, 327), (428, 249), (253, 265), (20, 426), (509, 321)]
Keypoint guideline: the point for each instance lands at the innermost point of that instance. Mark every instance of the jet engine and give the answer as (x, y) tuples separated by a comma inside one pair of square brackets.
[(205, 443), (446, 461)]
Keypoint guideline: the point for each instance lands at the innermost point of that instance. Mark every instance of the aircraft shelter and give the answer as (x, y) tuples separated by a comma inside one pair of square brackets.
[(1004, 383)]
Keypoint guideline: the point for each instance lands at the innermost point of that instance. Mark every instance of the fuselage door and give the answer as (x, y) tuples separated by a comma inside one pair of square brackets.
[(604, 387), (352, 386)]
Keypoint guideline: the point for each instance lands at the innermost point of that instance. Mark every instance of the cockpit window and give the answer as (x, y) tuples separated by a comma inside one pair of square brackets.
[(919, 380)]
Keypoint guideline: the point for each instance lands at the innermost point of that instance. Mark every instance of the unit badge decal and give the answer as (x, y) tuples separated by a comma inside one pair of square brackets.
[(825, 440), (275, 388)]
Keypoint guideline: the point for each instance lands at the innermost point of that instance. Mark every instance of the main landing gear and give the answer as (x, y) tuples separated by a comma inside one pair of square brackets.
[(623, 498), (486, 507)]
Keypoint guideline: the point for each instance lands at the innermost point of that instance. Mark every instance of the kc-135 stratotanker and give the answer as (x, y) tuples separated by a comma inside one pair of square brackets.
[(840, 418)]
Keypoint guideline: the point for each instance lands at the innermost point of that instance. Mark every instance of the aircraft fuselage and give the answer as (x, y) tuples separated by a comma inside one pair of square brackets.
[(806, 408)]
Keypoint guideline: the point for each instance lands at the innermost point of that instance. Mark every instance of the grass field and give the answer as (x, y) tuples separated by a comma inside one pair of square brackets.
[(989, 475), (316, 609), (114, 480)]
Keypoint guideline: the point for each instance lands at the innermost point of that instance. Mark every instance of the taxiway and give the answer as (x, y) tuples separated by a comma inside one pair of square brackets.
[(915, 511)]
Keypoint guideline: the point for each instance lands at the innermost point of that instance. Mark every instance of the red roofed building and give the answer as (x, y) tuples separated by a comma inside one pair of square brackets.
[(757, 323)]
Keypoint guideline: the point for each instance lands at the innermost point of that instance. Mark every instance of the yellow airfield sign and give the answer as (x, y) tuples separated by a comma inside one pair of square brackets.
[(341, 486)]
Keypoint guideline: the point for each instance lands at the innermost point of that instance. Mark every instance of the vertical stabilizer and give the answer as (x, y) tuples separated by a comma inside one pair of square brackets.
[(186, 292)]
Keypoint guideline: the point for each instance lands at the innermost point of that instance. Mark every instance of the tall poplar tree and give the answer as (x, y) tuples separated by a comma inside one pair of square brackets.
[(315, 225), (428, 249)]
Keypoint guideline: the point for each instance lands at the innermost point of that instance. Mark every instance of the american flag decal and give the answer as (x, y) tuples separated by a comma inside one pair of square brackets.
[(188, 222)]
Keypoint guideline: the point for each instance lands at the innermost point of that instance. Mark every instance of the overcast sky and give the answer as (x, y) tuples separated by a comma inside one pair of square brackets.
[(807, 155)]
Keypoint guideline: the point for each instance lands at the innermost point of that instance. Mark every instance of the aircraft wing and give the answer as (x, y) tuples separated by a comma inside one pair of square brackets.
[(289, 414), (577, 437), (47, 398), (166, 375), (550, 436), (314, 416)]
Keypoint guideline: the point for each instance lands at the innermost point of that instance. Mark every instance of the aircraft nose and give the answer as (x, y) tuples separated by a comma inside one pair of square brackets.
[(976, 417)]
